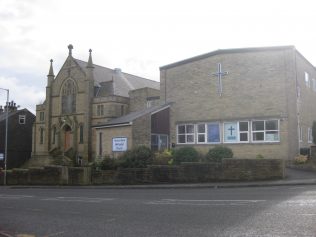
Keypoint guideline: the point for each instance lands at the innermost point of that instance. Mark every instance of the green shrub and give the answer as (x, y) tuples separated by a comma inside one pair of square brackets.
[(163, 158), (259, 156), (300, 159), (185, 154), (138, 157), (217, 153), (107, 163)]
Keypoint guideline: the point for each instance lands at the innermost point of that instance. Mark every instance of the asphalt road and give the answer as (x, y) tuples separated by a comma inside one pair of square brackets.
[(267, 211)]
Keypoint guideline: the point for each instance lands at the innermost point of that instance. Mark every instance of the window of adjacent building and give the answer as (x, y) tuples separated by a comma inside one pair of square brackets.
[(41, 116), (54, 135), (149, 103), (100, 110), (186, 134), (100, 144), (41, 135), (22, 119), (265, 131), (301, 134), (81, 134), (310, 135), (314, 84), (307, 81)]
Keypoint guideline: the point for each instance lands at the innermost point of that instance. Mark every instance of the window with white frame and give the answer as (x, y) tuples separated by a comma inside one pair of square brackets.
[(314, 84), (21, 119), (244, 131), (265, 131), (236, 132), (310, 135), (301, 134), (201, 133), (186, 134), (213, 133), (307, 81), (208, 133)]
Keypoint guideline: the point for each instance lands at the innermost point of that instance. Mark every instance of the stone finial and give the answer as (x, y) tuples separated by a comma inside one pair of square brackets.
[(70, 48), (51, 71), (90, 63)]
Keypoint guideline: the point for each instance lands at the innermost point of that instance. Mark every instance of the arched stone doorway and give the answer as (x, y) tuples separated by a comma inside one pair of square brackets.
[(67, 137)]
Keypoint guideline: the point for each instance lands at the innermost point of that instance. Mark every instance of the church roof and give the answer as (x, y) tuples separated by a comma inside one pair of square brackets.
[(121, 83), (225, 51), (126, 119)]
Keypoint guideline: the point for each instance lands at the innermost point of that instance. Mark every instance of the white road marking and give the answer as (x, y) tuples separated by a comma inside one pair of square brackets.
[(78, 199), (4, 196), (55, 234), (204, 202)]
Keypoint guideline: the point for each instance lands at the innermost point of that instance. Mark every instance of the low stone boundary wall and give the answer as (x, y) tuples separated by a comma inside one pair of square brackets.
[(48, 175), (228, 170)]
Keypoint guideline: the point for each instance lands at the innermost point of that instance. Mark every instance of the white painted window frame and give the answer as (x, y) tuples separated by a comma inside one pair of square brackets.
[(264, 131), (307, 80)]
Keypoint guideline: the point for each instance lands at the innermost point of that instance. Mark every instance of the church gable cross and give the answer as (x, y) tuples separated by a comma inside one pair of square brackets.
[(219, 75)]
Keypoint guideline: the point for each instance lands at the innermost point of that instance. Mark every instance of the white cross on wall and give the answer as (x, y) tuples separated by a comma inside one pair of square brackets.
[(219, 75)]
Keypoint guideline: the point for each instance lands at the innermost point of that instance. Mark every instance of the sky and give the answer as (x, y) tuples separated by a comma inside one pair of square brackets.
[(137, 36)]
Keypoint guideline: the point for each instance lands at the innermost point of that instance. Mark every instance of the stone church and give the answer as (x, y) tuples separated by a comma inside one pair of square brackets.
[(257, 101), (80, 96)]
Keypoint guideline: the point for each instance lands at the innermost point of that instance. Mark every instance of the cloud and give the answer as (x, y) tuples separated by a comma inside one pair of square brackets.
[(25, 96)]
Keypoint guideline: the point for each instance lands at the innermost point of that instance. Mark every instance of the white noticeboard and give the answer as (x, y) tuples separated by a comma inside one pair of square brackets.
[(119, 144)]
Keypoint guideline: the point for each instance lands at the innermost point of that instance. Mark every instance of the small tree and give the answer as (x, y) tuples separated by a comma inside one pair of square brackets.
[(314, 132)]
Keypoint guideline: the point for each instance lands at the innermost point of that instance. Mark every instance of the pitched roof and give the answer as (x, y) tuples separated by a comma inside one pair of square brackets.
[(122, 82), (126, 119), (3, 115), (225, 51)]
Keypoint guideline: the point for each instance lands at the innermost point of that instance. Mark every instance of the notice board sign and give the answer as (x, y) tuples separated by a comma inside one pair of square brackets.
[(119, 144)]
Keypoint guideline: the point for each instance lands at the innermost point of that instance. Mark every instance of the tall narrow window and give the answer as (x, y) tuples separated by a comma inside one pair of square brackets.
[(41, 117), (300, 133), (69, 97), (41, 135), (307, 81), (310, 135), (213, 133), (122, 110), (81, 134), (100, 110), (100, 144), (54, 135)]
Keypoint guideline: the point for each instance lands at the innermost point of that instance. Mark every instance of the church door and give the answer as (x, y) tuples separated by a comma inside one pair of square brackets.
[(67, 140)]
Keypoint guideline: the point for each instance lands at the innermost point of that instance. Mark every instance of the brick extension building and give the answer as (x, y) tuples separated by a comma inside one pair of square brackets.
[(20, 124), (262, 102)]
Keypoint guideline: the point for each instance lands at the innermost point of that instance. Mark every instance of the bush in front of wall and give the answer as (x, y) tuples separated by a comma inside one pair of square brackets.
[(218, 153), (185, 154), (138, 157), (163, 158)]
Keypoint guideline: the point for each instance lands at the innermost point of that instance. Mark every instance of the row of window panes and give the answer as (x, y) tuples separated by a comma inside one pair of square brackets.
[(233, 132)]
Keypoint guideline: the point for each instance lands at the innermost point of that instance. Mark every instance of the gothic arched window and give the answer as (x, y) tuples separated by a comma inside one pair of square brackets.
[(68, 103)]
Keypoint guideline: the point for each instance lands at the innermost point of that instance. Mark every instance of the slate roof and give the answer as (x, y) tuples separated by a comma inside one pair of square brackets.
[(116, 82), (225, 51), (132, 116), (4, 115)]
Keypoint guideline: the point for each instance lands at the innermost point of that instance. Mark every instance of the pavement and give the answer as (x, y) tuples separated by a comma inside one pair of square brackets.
[(292, 177)]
